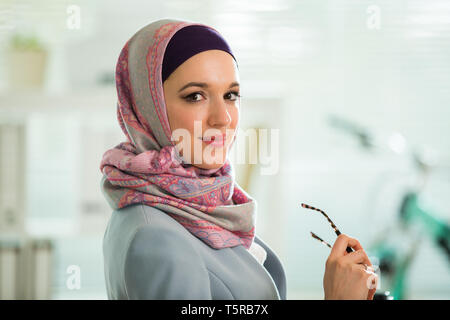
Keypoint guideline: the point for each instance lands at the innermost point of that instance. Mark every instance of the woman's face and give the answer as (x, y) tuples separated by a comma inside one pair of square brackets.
[(202, 101)]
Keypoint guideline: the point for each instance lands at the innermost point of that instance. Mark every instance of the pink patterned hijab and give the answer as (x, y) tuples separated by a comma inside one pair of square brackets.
[(148, 169)]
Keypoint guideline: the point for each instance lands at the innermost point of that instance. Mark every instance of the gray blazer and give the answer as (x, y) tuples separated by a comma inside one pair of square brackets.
[(149, 255)]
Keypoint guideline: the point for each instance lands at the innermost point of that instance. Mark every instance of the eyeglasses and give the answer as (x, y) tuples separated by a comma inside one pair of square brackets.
[(336, 230)]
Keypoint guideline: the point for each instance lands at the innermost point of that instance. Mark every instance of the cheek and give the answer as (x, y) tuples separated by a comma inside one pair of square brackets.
[(184, 118), (234, 113)]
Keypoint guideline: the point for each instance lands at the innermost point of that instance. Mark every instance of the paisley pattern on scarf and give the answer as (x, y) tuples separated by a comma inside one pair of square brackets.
[(147, 169)]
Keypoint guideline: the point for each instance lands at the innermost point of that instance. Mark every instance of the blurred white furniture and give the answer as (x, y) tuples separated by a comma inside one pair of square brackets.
[(25, 263), (50, 151)]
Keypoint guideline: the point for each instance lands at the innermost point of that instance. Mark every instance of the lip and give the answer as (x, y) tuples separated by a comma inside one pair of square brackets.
[(216, 141)]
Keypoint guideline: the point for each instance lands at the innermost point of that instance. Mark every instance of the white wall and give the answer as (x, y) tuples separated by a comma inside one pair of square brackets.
[(317, 58)]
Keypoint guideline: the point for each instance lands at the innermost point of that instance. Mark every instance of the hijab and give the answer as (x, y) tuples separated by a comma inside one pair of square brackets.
[(147, 168)]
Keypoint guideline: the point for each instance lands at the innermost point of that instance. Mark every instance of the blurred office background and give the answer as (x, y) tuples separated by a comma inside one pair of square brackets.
[(355, 88)]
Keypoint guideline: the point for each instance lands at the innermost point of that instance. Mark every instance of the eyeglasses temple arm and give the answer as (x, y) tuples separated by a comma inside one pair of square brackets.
[(336, 230)]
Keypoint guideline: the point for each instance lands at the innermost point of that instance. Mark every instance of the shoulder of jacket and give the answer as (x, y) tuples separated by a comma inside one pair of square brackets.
[(137, 216), (162, 234)]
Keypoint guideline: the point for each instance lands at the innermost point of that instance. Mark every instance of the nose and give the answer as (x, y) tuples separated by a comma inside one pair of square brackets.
[(219, 115)]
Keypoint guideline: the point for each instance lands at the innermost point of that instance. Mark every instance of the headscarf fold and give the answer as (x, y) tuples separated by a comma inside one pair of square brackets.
[(148, 169)]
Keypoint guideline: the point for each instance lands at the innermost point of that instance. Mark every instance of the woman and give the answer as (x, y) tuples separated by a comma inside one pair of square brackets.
[(182, 228)]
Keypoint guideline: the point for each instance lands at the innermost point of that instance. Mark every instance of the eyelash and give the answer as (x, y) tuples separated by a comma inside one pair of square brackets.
[(187, 98)]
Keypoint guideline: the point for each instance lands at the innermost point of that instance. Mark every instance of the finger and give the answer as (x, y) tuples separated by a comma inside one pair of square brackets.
[(372, 284), (358, 257), (371, 294), (341, 244)]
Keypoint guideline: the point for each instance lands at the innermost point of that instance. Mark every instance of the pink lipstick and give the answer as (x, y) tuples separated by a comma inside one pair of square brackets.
[(216, 141)]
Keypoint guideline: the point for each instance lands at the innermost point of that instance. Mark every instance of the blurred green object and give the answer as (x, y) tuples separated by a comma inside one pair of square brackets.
[(394, 262), (26, 42), (415, 211), (27, 62), (396, 247)]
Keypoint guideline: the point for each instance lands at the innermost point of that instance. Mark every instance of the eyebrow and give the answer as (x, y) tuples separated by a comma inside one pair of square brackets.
[(204, 85)]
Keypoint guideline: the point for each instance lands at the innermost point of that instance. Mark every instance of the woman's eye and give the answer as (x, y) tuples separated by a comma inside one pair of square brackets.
[(196, 96), (235, 93), (193, 97)]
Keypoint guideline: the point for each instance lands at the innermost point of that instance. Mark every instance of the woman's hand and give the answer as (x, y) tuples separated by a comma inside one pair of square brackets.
[(345, 275)]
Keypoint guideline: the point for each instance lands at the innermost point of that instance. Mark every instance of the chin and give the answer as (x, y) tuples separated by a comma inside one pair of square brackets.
[(211, 163), (215, 162), (210, 166)]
